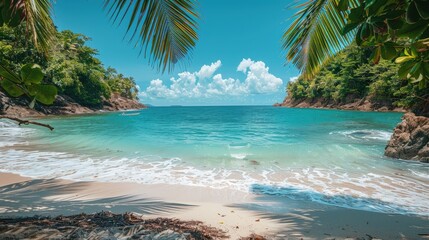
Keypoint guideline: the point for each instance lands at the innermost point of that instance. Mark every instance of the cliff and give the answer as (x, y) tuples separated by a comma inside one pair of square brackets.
[(63, 105)]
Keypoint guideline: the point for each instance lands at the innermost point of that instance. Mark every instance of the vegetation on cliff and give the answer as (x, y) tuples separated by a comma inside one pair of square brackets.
[(352, 75), (70, 65)]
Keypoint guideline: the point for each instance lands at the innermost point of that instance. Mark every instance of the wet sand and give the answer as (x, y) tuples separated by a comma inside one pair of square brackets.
[(239, 214)]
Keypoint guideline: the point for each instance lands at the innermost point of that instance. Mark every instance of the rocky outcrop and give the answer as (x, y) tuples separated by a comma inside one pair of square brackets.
[(351, 103), (118, 103), (63, 105), (410, 139)]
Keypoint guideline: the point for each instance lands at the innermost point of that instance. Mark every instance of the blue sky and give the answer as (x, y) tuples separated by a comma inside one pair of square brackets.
[(239, 42)]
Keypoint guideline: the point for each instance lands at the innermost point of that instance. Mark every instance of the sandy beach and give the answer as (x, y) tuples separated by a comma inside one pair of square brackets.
[(237, 213)]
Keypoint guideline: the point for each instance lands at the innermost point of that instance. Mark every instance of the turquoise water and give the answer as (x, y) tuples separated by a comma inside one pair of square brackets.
[(332, 157)]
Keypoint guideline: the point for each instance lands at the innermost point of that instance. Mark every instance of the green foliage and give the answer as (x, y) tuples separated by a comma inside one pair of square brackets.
[(29, 82), (72, 67), (395, 30), (316, 34), (166, 29), (352, 75), (124, 86), (36, 14), (390, 29)]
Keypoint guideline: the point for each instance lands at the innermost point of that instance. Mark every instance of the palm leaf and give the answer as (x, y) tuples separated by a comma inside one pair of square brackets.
[(37, 16), (315, 35), (166, 29)]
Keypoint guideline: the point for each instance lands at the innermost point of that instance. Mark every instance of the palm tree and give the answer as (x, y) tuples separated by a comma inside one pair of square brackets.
[(37, 17), (164, 29), (394, 30), (315, 35)]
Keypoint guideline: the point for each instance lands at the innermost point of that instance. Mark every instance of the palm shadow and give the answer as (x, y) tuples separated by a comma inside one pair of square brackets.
[(38, 197), (301, 216)]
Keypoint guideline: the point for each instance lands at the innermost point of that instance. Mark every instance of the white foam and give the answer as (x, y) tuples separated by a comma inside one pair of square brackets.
[(335, 186), (365, 134), (12, 134)]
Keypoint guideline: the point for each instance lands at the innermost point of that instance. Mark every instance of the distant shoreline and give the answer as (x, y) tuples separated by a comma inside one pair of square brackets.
[(363, 105)]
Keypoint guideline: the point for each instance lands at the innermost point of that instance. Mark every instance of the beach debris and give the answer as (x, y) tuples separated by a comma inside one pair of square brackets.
[(254, 236), (258, 220), (106, 225)]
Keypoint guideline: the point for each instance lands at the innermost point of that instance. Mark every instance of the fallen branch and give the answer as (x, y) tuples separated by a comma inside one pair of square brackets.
[(27, 122)]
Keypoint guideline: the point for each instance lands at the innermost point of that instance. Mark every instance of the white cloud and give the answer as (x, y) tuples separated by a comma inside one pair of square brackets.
[(201, 84), (258, 79), (207, 71), (293, 79), (244, 64)]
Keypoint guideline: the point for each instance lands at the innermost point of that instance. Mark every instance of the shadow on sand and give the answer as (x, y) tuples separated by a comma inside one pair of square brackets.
[(50, 197), (302, 217)]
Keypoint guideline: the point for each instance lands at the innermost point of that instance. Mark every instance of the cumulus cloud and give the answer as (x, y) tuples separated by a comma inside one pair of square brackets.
[(207, 71), (293, 79), (258, 79), (203, 84)]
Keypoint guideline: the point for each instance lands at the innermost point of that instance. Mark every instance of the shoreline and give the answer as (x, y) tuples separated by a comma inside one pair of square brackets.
[(362, 105), (238, 213)]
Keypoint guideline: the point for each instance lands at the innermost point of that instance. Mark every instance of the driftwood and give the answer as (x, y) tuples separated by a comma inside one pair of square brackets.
[(27, 122)]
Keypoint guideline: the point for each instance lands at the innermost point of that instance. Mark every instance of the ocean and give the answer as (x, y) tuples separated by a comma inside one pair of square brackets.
[(326, 156)]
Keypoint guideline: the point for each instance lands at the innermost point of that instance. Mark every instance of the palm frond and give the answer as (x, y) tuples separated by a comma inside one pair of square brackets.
[(165, 29), (315, 35), (37, 16)]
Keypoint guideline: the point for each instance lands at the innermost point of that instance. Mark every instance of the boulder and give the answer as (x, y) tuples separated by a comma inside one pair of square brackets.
[(410, 139)]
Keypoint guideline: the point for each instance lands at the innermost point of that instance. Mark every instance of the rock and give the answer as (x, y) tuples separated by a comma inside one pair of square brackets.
[(410, 139), (63, 105), (350, 103), (118, 103)]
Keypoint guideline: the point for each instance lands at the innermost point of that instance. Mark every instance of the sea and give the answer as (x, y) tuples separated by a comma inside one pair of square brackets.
[(330, 157)]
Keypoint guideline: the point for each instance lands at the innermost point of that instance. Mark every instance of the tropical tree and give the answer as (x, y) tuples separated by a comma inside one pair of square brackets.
[(392, 29), (164, 29)]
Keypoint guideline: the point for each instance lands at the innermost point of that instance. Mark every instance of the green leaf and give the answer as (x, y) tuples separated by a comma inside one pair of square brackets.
[(343, 5), (412, 15), (358, 40), (388, 51), (376, 55), (403, 59), (375, 6), (395, 24), (8, 74), (404, 69), (394, 14), (31, 73), (426, 69), (417, 79), (32, 103), (165, 29), (357, 14), (11, 88), (349, 27), (422, 8), (366, 31), (315, 35), (412, 31), (44, 93), (416, 70)]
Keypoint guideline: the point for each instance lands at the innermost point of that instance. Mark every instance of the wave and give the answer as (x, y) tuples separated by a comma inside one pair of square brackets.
[(369, 191), (12, 134), (366, 134)]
